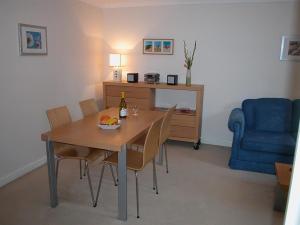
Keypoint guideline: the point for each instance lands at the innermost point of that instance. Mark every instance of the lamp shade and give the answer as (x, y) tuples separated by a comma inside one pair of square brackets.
[(115, 60)]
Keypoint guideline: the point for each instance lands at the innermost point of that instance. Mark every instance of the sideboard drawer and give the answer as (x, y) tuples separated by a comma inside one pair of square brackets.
[(142, 104), (184, 120), (130, 92), (183, 132)]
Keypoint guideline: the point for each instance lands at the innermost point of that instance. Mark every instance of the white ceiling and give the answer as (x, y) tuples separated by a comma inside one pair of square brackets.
[(136, 3)]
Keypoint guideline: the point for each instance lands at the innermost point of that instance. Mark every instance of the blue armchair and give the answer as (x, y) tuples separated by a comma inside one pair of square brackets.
[(264, 132)]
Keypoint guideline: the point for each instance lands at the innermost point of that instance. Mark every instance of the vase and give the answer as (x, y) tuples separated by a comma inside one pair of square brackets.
[(188, 79)]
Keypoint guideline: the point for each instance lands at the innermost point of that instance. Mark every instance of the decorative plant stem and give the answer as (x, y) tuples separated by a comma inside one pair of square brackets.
[(189, 58)]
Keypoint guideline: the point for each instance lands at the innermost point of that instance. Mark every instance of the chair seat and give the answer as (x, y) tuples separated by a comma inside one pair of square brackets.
[(134, 159), (76, 152), (274, 142)]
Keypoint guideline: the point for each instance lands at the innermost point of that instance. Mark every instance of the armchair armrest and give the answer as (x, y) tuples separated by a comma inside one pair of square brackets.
[(236, 122)]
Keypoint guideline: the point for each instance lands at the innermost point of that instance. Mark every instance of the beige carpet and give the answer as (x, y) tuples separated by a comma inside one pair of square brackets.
[(199, 190)]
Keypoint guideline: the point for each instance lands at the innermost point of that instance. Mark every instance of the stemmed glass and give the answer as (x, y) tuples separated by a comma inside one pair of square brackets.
[(135, 110)]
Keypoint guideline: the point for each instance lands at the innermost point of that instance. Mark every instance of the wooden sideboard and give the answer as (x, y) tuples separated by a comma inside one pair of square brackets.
[(185, 126)]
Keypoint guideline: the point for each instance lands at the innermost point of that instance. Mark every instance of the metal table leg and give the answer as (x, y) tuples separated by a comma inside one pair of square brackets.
[(51, 174), (122, 185)]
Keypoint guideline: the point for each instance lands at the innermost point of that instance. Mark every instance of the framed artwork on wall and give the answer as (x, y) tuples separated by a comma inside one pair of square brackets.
[(290, 48), (32, 39), (158, 46)]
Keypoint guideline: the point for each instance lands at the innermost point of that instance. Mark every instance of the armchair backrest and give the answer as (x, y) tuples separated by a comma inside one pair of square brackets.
[(268, 114)]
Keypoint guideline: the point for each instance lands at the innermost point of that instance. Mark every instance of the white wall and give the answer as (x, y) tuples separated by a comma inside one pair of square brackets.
[(29, 85), (237, 56)]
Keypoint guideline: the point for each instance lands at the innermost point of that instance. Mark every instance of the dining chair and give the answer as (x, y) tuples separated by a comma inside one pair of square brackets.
[(164, 135), (136, 160), (58, 117), (88, 107)]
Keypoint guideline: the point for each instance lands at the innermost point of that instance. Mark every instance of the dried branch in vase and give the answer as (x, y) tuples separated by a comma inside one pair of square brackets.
[(189, 58)]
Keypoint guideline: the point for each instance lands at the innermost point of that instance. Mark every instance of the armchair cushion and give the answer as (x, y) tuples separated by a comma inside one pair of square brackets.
[(268, 114), (273, 142)]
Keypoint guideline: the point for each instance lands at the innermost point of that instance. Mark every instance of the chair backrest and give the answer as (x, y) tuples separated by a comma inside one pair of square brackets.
[(58, 116), (165, 126), (268, 114), (151, 146), (88, 107)]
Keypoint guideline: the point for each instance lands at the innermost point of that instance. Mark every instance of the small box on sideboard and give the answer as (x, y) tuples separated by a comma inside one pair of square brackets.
[(132, 77), (185, 124), (172, 79)]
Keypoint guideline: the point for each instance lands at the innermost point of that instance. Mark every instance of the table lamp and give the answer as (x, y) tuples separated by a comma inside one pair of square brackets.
[(115, 62)]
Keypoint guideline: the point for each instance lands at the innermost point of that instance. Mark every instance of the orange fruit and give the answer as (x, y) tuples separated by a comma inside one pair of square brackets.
[(104, 119)]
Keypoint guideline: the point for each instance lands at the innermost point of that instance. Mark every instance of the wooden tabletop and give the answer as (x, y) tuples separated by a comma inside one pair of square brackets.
[(193, 87), (85, 132), (283, 173)]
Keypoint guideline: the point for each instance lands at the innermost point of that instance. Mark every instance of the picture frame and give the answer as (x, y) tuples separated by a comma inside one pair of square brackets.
[(290, 48), (32, 39), (158, 46)]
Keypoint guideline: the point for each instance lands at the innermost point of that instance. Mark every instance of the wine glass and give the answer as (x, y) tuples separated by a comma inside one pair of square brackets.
[(135, 110)]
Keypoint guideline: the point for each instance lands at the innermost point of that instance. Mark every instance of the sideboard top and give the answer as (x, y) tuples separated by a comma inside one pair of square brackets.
[(193, 87)]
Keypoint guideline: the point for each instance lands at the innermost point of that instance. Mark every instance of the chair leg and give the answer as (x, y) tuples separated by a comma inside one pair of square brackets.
[(57, 166), (89, 180), (80, 169), (106, 154), (154, 176), (113, 174), (153, 172), (166, 156), (160, 160), (137, 195), (117, 172), (99, 185), (84, 171)]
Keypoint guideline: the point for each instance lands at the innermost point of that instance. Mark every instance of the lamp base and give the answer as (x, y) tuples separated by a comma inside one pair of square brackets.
[(117, 75)]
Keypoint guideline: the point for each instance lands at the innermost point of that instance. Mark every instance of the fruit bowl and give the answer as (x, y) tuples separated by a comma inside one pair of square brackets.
[(109, 123), (109, 127)]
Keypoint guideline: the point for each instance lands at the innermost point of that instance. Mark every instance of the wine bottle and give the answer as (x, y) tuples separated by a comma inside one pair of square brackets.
[(122, 106)]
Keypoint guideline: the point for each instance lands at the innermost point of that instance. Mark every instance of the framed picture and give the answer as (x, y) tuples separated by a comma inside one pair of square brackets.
[(290, 48), (158, 46), (32, 40)]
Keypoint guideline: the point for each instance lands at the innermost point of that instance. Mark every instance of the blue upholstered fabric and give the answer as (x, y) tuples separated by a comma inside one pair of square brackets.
[(268, 114), (263, 141), (263, 158), (237, 117), (251, 166), (295, 117), (264, 132)]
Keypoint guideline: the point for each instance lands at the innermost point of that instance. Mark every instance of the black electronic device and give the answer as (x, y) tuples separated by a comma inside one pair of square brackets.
[(132, 77), (151, 78), (172, 79)]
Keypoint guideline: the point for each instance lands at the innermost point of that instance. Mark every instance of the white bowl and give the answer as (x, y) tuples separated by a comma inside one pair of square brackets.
[(109, 127)]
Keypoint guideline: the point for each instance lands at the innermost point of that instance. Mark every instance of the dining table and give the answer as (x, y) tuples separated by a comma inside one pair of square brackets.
[(86, 133)]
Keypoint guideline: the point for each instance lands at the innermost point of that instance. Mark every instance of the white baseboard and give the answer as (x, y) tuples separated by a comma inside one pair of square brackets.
[(22, 171)]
